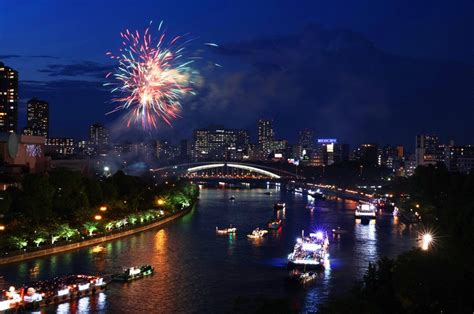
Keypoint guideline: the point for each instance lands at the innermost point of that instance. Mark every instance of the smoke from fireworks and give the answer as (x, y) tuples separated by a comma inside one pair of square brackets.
[(152, 78)]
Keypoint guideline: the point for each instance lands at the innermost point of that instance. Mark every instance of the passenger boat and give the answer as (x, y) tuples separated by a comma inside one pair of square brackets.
[(226, 230), (279, 205), (274, 224), (46, 292), (310, 252), (257, 234), (134, 273), (365, 211)]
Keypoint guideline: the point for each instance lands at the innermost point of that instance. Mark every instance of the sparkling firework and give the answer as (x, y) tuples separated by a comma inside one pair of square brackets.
[(152, 78)]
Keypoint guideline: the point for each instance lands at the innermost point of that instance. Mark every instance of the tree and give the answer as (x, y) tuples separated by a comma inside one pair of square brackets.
[(5, 202), (36, 198), (66, 232), (70, 199), (91, 226), (18, 242)]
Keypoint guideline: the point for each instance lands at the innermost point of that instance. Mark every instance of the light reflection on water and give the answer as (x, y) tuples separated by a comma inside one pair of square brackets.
[(197, 270)]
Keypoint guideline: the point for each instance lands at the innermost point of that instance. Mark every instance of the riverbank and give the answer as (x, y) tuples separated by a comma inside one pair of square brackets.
[(94, 241)]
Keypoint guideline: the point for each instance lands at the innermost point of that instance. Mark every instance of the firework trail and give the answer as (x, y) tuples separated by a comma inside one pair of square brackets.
[(152, 77)]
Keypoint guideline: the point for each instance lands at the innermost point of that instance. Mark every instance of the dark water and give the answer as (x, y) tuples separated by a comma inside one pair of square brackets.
[(200, 272)]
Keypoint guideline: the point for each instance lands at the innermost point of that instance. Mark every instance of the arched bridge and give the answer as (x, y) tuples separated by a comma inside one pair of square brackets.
[(224, 169)]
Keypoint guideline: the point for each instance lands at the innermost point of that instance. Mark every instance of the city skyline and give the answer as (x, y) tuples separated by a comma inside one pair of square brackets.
[(378, 103)]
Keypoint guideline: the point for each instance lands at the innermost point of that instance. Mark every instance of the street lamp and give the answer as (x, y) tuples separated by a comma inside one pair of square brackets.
[(2, 228), (426, 240), (161, 202), (97, 217), (103, 208)]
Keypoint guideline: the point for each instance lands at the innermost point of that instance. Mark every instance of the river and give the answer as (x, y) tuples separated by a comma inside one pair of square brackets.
[(198, 271)]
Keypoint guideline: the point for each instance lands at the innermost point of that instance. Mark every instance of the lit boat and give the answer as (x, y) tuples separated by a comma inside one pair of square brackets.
[(226, 230), (274, 224), (279, 205), (257, 234), (365, 210), (46, 292), (310, 252), (133, 273), (338, 231), (299, 190), (232, 198)]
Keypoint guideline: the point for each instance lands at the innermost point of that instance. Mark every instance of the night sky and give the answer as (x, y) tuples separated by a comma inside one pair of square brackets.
[(376, 71)]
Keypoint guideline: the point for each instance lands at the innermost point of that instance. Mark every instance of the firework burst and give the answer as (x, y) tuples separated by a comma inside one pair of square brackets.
[(152, 77)]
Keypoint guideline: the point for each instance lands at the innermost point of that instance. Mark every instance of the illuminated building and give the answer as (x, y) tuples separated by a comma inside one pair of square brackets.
[(265, 137), (98, 139), (428, 150), (37, 118), (22, 153), (98, 135), (164, 150), (217, 143), (307, 140), (8, 99), (460, 158), (328, 152), (60, 146)]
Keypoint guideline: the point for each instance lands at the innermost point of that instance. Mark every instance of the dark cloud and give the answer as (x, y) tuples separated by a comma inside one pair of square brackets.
[(33, 56), (338, 83), (83, 68), (74, 104)]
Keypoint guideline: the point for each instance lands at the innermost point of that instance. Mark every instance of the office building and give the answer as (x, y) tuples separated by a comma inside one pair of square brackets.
[(8, 99), (98, 135), (37, 118), (306, 141), (218, 143), (428, 150), (265, 137), (60, 146), (367, 153)]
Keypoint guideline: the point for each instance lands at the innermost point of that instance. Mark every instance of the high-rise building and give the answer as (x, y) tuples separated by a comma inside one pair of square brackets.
[(37, 118), (329, 151), (428, 150), (185, 149), (164, 150), (217, 143), (265, 137), (460, 158), (8, 99), (368, 154), (307, 140), (98, 135), (60, 146)]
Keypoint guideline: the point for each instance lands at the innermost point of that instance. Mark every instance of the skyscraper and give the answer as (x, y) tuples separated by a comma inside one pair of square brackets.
[(98, 135), (37, 119), (265, 137), (307, 140), (428, 150), (8, 99)]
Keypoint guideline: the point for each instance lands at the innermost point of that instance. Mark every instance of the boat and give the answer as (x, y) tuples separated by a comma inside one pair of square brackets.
[(134, 273), (46, 292), (310, 252), (226, 230), (268, 193), (365, 211), (232, 198), (316, 194), (279, 205), (298, 190), (338, 231), (274, 224), (257, 233)]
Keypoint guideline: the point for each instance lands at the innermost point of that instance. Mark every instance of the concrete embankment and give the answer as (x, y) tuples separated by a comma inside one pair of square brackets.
[(94, 241)]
